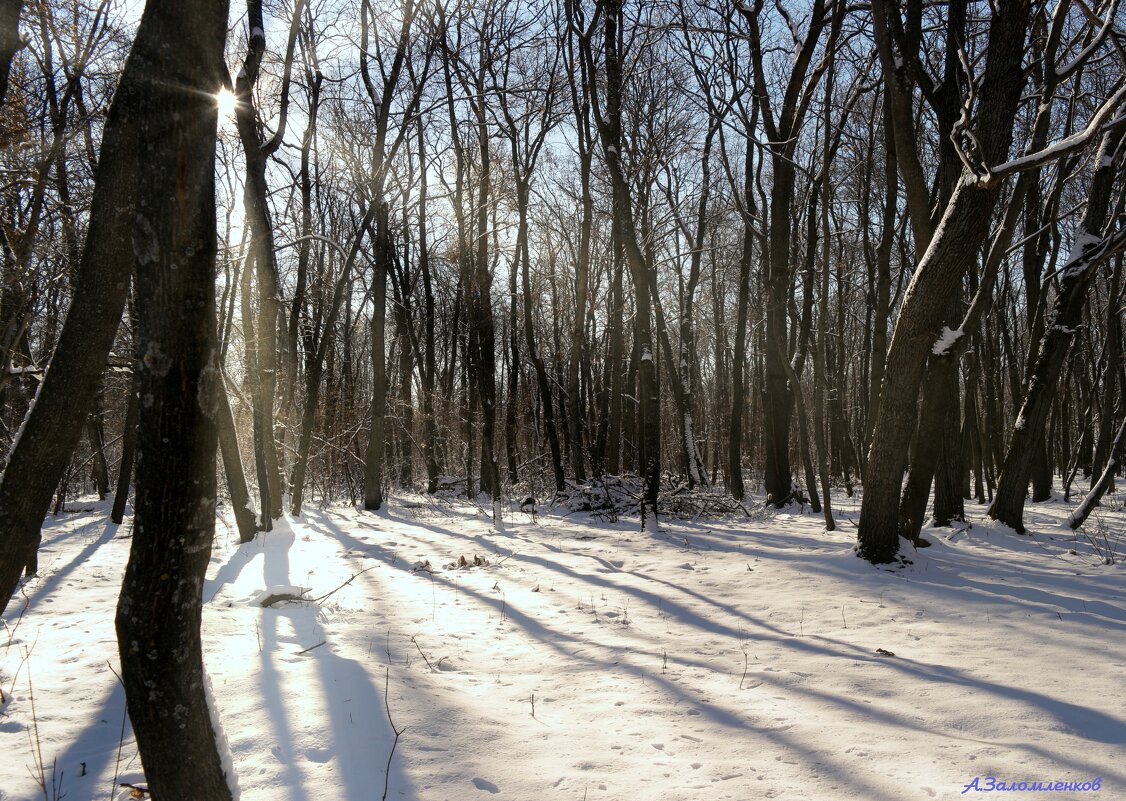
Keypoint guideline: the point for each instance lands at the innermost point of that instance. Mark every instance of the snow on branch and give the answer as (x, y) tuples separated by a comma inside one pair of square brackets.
[(1098, 123), (1096, 42)]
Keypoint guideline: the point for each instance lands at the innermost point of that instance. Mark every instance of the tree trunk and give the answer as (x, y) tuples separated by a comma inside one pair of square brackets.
[(577, 435), (232, 469), (1112, 363), (625, 232), (616, 356), (128, 452), (176, 59), (374, 458), (1106, 480), (95, 432), (936, 280), (429, 371), (260, 418), (255, 197), (53, 424), (739, 359), (542, 382), (1060, 325), (9, 40)]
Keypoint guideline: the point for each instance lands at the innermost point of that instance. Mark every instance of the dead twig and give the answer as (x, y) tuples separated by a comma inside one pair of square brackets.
[(424, 659), (398, 732), (345, 584)]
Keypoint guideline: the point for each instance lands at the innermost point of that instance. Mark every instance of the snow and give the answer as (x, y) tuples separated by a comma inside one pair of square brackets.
[(226, 759), (718, 660), (946, 340)]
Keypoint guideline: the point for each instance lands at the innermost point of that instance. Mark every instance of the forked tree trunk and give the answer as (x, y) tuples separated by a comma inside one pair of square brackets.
[(625, 232), (170, 81), (938, 276)]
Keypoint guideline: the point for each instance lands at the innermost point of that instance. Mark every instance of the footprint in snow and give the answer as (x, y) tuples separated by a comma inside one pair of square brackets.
[(481, 784)]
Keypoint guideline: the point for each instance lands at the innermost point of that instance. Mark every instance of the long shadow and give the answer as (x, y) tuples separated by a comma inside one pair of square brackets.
[(230, 571), (533, 627), (48, 585), (359, 733), (95, 747), (555, 640), (1082, 721), (938, 574), (274, 701)]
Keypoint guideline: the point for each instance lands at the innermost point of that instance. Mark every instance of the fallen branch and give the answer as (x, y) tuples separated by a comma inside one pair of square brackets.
[(424, 659), (397, 731), (345, 584)]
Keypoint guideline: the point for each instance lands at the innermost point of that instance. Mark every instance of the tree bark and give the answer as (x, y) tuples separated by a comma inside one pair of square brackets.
[(176, 59), (1088, 250), (1106, 480), (739, 359), (373, 460), (128, 454), (54, 422), (429, 370), (609, 123), (937, 278), (232, 469), (9, 40), (255, 197)]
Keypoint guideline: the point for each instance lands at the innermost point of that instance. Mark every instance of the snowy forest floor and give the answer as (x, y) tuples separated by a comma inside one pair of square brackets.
[(712, 660)]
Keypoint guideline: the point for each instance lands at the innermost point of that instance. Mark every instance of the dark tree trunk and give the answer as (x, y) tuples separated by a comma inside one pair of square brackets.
[(1105, 481), (232, 469), (9, 40), (1112, 363), (128, 452), (177, 57), (95, 433), (616, 357), (373, 461), (625, 233), (542, 382), (513, 354), (937, 276), (576, 433), (429, 371), (936, 280), (53, 425), (482, 320), (1060, 324), (739, 360)]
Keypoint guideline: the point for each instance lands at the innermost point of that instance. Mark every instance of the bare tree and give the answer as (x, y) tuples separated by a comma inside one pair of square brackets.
[(165, 108)]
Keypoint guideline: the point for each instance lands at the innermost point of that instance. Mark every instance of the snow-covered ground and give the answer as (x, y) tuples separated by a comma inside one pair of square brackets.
[(575, 659)]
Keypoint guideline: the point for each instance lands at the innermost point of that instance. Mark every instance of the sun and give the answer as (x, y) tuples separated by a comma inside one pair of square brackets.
[(226, 101)]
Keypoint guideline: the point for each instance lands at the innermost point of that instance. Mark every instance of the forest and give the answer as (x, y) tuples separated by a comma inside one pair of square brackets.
[(847, 272)]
